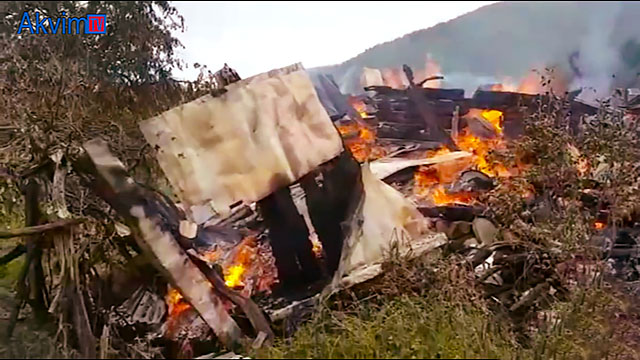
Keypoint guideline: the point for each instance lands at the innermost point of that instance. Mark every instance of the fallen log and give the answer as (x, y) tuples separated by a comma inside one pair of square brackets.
[(155, 224)]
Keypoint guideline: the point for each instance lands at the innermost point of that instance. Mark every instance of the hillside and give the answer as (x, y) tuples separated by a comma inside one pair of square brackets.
[(508, 39)]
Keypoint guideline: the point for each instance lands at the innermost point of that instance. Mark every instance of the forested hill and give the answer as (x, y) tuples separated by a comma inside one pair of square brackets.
[(508, 39)]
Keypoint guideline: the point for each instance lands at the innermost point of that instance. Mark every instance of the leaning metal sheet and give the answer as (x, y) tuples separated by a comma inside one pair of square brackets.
[(265, 132)]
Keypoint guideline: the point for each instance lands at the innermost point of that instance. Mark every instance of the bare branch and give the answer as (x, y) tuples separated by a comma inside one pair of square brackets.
[(38, 229)]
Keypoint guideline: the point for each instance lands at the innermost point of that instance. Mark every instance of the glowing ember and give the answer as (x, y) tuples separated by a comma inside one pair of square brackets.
[(599, 225), (250, 266), (317, 245)]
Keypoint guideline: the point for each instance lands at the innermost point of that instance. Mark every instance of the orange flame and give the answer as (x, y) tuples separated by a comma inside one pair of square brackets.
[(233, 277), (176, 302), (429, 180), (599, 225), (531, 84), (495, 118), (394, 78), (359, 106), (363, 146), (441, 197), (317, 245), (234, 274)]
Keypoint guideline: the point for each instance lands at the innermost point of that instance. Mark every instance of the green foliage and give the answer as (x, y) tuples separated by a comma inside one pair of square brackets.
[(137, 48), (426, 310), (441, 316), (58, 91), (450, 319)]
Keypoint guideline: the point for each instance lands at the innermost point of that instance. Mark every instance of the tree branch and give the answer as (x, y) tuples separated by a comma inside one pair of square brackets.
[(38, 229), (13, 254)]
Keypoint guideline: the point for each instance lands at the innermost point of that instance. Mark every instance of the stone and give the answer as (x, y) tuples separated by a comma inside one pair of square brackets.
[(484, 230), (471, 243), (453, 229)]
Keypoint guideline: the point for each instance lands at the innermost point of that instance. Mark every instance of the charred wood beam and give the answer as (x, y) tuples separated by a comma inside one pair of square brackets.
[(500, 100), (45, 166), (405, 132), (292, 249), (427, 93), (426, 111), (452, 212), (430, 78), (329, 204)]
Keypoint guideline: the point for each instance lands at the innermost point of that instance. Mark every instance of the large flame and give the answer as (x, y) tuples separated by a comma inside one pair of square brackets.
[(234, 273), (361, 141), (250, 266), (532, 84), (440, 196), (429, 180), (481, 148), (495, 118)]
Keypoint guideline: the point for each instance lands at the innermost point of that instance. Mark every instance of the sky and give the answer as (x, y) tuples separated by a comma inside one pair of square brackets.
[(255, 37)]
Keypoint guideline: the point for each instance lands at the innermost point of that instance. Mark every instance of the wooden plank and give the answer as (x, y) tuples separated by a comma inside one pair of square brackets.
[(154, 222)]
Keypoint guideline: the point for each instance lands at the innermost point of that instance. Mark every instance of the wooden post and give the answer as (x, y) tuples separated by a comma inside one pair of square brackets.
[(455, 122)]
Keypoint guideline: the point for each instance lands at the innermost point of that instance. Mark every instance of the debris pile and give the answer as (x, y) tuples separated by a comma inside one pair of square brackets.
[(285, 192)]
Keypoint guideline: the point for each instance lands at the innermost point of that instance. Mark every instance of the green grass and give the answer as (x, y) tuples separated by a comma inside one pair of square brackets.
[(407, 327), (448, 320)]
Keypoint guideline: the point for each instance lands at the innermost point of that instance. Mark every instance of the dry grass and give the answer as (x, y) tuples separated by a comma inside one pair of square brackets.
[(449, 319)]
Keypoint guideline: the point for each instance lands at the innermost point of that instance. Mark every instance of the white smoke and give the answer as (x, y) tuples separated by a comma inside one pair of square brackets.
[(598, 59)]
